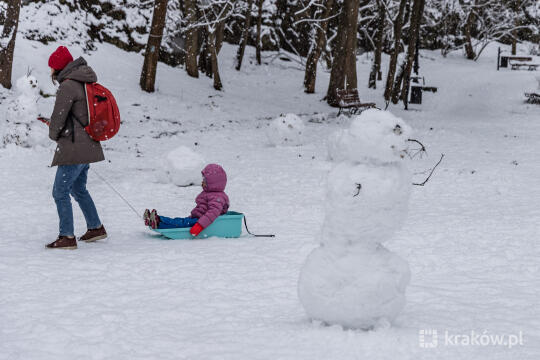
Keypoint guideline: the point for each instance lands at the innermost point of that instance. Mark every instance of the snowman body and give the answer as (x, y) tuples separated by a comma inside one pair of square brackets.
[(352, 279)]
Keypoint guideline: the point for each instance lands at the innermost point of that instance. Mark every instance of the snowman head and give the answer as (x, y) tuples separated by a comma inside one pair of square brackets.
[(27, 84), (374, 136)]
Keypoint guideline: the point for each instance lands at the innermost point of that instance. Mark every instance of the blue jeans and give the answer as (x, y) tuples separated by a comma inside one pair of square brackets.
[(170, 223), (71, 179)]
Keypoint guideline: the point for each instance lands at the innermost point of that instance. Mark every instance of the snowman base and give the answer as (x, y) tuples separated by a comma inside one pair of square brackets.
[(353, 287)]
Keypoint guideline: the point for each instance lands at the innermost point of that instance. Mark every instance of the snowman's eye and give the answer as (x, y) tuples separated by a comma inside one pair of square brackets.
[(397, 130)]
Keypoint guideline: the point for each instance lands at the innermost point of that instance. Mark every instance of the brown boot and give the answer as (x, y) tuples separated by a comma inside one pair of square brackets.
[(63, 242), (94, 234)]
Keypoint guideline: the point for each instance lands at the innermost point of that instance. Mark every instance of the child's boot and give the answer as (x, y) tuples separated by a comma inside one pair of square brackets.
[(154, 219), (146, 217)]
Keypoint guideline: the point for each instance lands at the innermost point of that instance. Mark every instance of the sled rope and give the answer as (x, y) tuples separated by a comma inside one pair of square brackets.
[(117, 192), (250, 233), (139, 216)]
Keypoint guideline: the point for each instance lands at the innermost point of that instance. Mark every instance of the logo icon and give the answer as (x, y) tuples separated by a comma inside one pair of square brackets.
[(428, 338)]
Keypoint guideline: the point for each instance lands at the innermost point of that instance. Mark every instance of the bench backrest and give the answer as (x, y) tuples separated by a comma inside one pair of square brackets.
[(345, 96), (520, 58)]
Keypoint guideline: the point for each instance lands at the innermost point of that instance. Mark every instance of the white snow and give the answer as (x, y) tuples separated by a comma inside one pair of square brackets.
[(182, 167), (287, 130), (471, 236)]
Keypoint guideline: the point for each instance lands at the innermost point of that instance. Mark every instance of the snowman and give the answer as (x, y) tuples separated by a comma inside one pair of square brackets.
[(286, 130), (20, 125), (351, 279), (181, 167)]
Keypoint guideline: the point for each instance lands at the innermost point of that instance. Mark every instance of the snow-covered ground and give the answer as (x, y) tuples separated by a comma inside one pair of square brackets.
[(471, 236)]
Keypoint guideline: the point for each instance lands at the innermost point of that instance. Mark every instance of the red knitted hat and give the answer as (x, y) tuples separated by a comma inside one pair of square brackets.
[(60, 58)]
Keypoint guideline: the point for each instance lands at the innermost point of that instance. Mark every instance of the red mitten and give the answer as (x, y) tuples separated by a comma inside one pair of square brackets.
[(44, 120), (196, 229)]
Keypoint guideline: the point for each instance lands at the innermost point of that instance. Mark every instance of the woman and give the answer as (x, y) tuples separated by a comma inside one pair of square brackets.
[(75, 149)]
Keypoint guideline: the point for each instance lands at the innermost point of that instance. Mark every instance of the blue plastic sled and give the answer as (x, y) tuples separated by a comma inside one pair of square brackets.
[(225, 226)]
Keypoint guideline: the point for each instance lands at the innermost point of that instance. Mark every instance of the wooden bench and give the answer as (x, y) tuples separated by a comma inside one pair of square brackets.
[(416, 80), (530, 67), (504, 60), (349, 99)]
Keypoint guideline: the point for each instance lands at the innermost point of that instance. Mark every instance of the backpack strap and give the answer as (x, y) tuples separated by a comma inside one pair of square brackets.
[(87, 108)]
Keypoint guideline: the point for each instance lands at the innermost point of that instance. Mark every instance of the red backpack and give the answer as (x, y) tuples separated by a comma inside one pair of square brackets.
[(103, 113)]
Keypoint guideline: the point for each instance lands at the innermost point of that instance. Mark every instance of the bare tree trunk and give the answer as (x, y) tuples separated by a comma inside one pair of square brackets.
[(220, 34), (398, 24), (258, 39), (10, 32), (397, 83), (352, 38), (327, 56), (337, 73), (376, 68), (517, 5), (399, 91), (205, 61), (316, 48), (469, 50), (416, 19), (245, 35), (344, 64), (192, 38), (213, 59), (151, 56)]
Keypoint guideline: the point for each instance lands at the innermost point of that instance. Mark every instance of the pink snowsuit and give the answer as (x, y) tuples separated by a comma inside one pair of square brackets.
[(212, 201)]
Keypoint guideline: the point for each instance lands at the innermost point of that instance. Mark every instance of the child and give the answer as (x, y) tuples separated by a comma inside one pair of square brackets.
[(211, 203)]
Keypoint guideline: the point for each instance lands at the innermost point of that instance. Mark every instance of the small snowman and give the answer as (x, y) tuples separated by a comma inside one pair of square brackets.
[(21, 127), (351, 279), (181, 167), (286, 130)]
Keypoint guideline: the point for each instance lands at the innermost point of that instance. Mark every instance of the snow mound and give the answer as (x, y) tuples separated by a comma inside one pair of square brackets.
[(354, 288), (182, 167), (374, 135), (19, 125), (286, 130), (365, 203)]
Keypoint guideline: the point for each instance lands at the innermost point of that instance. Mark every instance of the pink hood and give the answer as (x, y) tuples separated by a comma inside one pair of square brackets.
[(215, 177)]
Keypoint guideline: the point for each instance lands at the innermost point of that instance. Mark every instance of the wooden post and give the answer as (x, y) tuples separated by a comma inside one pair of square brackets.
[(498, 58)]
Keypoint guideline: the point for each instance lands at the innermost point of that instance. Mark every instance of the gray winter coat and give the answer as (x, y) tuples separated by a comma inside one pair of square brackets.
[(74, 145)]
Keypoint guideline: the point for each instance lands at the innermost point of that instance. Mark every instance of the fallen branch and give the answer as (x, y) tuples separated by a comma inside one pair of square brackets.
[(422, 149), (431, 173)]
